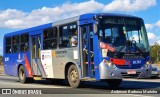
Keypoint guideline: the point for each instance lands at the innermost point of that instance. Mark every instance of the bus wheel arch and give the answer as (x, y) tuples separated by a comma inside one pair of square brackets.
[(22, 74), (72, 75), (67, 67)]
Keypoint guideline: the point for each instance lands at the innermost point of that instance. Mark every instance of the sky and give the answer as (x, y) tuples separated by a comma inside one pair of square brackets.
[(21, 14)]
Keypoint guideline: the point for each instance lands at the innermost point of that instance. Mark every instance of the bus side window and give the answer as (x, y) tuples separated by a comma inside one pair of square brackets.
[(50, 38), (8, 45), (15, 44), (64, 40), (68, 35), (24, 43), (74, 37)]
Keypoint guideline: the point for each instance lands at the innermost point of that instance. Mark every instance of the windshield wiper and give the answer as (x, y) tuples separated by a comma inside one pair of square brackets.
[(126, 44), (137, 47), (121, 49)]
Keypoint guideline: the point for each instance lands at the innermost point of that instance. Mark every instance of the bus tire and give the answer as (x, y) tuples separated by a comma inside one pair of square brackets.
[(22, 75), (114, 83), (73, 76)]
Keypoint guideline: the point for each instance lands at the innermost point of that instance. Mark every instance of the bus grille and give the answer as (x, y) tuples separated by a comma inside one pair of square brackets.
[(125, 75), (128, 57), (135, 66)]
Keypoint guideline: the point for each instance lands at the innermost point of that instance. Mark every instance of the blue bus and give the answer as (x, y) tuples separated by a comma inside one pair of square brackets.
[(90, 47)]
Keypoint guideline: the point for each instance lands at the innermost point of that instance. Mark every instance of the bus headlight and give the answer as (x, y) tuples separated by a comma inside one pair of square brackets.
[(113, 66), (110, 64)]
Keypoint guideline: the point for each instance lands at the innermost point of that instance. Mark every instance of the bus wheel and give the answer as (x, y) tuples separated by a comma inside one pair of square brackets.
[(114, 82), (22, 75), (73, 76)]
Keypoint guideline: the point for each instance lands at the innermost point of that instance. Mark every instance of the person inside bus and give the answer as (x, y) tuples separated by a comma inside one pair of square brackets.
[(26, 47), (118, 36), (54, 44), (74, 39)]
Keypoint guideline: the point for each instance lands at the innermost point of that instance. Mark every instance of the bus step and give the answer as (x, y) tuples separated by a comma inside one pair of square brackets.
[(37, 78), (88, 79)]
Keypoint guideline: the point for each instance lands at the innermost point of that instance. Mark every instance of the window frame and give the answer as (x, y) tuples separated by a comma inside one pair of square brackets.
[(24, 42), (16, 44), (8, 45), (68, 35), (53, 30)]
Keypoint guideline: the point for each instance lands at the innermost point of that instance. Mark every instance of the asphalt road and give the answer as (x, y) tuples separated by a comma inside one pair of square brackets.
[(88, 89)]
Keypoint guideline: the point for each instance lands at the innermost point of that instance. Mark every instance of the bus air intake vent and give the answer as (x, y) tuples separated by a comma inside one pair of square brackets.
[(125, 75), (129, 57)]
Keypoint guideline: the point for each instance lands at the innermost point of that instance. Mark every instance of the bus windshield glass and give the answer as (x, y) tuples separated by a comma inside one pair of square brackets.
[(123, 34)]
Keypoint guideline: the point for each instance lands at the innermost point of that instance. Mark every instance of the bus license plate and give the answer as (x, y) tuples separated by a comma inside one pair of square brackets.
[(131, 72)]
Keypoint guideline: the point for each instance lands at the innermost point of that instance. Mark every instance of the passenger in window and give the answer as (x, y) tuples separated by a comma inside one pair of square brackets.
[(53, 44), (10, 50), (74, 39), (26, 47)]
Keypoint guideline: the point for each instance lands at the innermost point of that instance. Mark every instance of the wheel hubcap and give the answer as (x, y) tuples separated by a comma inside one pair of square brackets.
[(74, 76), (21, 75)]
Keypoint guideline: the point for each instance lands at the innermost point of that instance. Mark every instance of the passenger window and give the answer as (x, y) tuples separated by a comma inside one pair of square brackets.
[(50, 38), (24, 43), (8, 45), (15, 40), (8, 41), (15, 44), (68, 35)]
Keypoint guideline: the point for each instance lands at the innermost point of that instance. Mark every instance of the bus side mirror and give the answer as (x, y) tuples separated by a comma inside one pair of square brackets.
[(95, 28)]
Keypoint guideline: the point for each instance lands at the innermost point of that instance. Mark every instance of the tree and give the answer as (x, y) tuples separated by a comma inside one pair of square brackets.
[(1, 57), (155, 53)]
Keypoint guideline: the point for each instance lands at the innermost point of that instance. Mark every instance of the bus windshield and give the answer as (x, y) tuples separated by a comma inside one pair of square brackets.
[(123, 34)]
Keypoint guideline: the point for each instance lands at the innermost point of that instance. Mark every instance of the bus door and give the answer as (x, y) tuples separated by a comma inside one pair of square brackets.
[(87, 51), (36, 56)]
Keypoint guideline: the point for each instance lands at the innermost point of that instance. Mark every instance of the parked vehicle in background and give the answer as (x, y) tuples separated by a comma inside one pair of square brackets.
[(155, 72)]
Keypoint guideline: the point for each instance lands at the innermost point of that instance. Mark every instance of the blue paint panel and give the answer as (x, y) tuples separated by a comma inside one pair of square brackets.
[(148, 58), (86, 16), (91, 15), (134, 64), (97, 56), (83, 22), (14, 60), (36, 32)]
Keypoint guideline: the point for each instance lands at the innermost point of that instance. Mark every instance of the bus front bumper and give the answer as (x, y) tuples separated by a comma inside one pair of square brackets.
[(108, 73)]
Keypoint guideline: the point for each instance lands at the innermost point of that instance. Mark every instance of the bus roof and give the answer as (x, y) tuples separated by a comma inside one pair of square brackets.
[(91, 15), (72, 19)]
